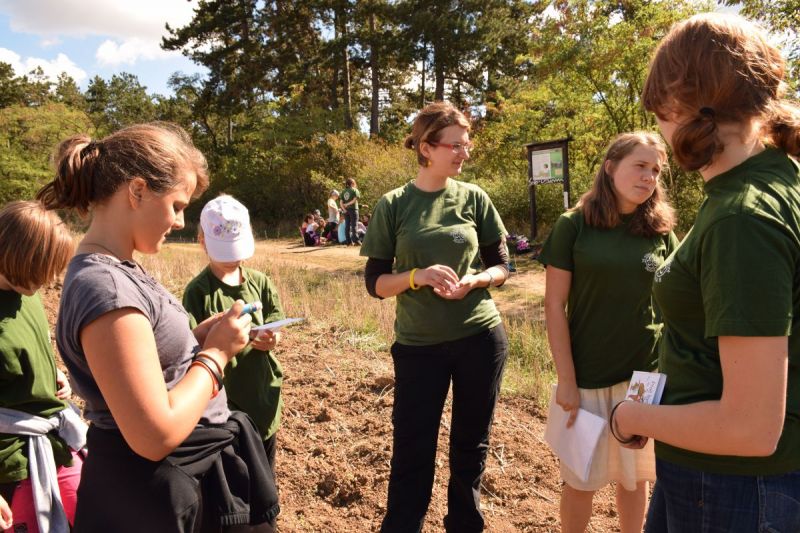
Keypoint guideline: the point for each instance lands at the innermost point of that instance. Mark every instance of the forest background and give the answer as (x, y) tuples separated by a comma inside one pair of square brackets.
[(300, 95)]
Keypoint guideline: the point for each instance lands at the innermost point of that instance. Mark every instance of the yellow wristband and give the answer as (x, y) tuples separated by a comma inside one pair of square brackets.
[(411, 280)]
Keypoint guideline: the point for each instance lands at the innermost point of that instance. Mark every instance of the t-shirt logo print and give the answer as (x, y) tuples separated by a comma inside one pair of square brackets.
[(663, 271), (650, 261), (458, 236)]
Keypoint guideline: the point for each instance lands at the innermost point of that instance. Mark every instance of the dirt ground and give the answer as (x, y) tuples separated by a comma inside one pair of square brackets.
[(334, 445)]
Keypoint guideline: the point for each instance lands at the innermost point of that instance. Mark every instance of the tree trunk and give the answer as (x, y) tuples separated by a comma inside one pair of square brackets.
[(334, 87), (438, 70), (348, 114), (422, 75), (374, 125)]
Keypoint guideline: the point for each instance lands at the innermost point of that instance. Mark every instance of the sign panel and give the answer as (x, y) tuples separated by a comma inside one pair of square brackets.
[(547, 166)]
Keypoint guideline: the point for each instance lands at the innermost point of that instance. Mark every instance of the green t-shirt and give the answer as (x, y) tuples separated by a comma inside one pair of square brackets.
[(27, 379), (445, 227), (735, 274), (253, 378), (612, 324), (348, 194)]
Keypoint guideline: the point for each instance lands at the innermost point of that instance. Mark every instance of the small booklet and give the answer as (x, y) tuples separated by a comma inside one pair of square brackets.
[(646, 387), (574, 446), (278, 324)]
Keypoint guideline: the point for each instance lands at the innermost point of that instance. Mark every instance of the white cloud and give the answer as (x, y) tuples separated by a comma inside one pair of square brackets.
[(113, 54), (122, 19), (134, 29), (51, 68), (47, 43)]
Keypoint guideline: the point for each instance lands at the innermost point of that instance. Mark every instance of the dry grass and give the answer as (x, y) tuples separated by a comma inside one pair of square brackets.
[(338, 300)]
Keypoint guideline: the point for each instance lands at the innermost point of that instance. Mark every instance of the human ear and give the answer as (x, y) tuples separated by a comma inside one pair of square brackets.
[(425, 150), (136, 189), (608, 166)]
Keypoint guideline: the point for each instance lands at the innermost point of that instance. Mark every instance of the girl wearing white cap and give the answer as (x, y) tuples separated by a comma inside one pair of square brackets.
[(253, 378)]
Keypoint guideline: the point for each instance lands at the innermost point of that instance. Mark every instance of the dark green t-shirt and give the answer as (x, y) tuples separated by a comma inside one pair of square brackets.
[(253, 378), (348, 194), (612, 324), (27, 378), (735, 274), (445, 227)]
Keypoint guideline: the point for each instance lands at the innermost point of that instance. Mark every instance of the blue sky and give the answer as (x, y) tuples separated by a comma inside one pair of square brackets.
[(86, 38)]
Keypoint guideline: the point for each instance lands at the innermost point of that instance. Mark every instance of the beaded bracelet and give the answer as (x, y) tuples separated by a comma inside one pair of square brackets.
[(611, 427)]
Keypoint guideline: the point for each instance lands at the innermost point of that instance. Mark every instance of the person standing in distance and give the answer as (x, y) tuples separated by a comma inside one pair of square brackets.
[(349, 202)]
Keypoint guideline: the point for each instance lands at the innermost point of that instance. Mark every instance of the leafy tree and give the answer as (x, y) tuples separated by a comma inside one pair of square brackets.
[(590, 61), (12, 90), (36, 87), (227, 38), (68, 93), (781, 17), (117, 103), (28, 136)]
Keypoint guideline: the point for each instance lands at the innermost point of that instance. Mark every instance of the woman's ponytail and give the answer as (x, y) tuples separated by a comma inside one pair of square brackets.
[(72, 187)]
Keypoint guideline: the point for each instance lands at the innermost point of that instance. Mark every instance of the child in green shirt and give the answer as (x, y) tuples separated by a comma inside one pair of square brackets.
[(253, 378), (32, 389)]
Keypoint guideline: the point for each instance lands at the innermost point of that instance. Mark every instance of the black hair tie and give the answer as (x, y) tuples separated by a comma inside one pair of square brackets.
[(707, 112)]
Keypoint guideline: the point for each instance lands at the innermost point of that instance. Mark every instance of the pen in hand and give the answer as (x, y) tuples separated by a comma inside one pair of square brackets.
[(251, 308)]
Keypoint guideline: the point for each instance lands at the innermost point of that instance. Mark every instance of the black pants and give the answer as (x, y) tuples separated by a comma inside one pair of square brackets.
[(422, 378), (351, 224)]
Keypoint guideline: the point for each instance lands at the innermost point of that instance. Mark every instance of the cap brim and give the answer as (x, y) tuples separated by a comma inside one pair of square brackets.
[(227, 251)]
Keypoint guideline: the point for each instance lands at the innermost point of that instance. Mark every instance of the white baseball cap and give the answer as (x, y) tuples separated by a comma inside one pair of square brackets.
[(226, 230)]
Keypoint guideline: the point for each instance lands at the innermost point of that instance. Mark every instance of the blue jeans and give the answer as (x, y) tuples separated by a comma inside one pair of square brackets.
[(690, 501), (423, 375)]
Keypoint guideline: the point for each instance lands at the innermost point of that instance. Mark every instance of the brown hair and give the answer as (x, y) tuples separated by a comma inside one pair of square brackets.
[(429, 123), (713, 69), (35, 245), (350, 182), (89, 172), (599, 204)]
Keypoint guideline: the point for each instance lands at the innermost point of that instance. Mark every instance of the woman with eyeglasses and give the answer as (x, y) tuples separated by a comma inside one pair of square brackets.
[(424, 242)]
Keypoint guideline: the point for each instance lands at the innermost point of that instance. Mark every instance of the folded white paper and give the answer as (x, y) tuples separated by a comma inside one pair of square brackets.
[(278, 324), (574, 446)]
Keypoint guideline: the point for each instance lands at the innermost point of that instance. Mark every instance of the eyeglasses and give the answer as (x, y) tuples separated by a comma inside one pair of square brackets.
[(456, 147)]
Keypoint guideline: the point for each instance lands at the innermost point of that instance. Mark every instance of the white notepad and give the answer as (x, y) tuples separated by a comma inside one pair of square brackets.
[(574, 446), (278, 324)]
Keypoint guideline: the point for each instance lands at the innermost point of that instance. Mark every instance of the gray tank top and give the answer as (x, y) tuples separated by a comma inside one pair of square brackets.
[(96, 284)]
